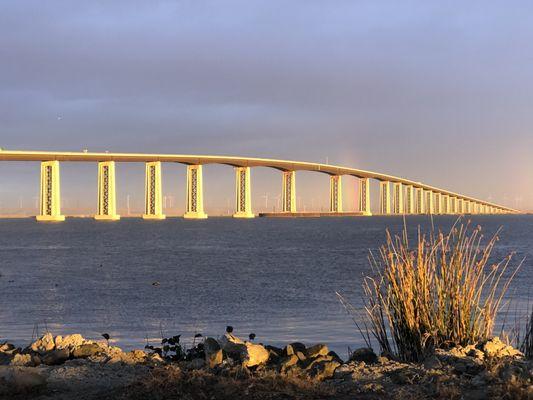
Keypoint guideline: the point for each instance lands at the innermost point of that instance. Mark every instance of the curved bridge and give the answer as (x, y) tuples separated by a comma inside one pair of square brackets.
[(405, 197)]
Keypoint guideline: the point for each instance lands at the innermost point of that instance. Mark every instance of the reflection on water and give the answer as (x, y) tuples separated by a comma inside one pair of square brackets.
[(274, 277)]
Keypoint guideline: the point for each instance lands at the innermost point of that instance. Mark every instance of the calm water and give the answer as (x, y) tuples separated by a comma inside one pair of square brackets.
[(274, 277)]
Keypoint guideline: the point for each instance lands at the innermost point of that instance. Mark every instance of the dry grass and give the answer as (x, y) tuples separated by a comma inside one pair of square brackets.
[(441, 293), (171, 382), (526, 345)]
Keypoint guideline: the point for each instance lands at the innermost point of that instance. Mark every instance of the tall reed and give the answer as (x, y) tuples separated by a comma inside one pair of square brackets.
[(441, 293)]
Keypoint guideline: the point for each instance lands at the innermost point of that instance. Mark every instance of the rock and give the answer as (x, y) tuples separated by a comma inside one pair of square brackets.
[(213, 353), (86, 350), (197, 363), (316, 350), (44, 344), (70, 341), (256, 355), (22, 378), (324, 369), (476, 353), (56, 357), (432, 362), (301, 356), (309, 363), (288, 362), (7, 348), (274, 351), (293, 348), (22, 360), (233, 347), (335, 357), (364, 354), (496, 349), (214, 359)]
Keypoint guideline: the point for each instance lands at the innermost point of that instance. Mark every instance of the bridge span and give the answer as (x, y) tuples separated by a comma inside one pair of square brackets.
[(397, 195)]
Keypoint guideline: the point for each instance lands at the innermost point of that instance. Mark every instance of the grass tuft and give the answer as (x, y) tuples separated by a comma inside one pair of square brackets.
[(441, 293)]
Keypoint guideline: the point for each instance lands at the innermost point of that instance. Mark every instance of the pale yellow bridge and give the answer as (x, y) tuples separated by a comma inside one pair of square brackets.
[(405, 196)]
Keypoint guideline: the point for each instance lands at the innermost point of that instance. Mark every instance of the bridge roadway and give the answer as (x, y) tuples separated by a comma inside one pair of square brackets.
[(243, 164)]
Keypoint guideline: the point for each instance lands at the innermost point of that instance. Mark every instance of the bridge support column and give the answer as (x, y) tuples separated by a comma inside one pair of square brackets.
[(50, 194), (460, 206), (410, 199), (397, 198), (446, 204), (364, 196), (153, 199), (107, 204), (438, 203), (288, 192), (335, 194), (243, 193), (453, 205), (195, 193), (384, 198), (466, 206), (430, 205), (420, 209)]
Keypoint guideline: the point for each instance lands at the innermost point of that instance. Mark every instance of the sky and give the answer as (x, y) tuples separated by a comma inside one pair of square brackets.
[(435, 91)]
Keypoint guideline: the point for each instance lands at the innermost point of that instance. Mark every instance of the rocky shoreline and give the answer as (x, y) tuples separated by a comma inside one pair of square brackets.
[(57, 367)]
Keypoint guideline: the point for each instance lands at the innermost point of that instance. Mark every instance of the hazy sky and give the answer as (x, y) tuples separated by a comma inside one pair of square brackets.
[(436, 91)]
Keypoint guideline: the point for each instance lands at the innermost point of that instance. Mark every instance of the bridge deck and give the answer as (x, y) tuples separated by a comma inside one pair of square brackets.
[(283, 165)]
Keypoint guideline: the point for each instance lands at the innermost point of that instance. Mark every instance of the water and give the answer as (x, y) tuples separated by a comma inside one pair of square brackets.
[(274, 277)]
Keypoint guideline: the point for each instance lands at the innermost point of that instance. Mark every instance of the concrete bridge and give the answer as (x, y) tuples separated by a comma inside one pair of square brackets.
[(397, 195)]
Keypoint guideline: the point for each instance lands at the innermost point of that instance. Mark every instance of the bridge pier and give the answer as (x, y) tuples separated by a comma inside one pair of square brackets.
[(50, 194), (430, 205), (460, 206), (410, 199), (453, 205), (335, 194), (364, 196), (384, 198), (107, 204), (195, 193), (243, 193), (446, 204), (420, 209), (288, 192), (397, 203), (153, 198), (438, 203)]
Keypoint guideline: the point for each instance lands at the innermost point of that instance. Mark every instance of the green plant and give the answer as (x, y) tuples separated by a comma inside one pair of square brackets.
[(443, 292)]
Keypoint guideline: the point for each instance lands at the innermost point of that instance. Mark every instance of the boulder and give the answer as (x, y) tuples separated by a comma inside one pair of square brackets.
[(324, 369), (316, 350), (335, 357), (309, 363), (86, 350), (7, 348), (213, 353), (22, 378), (255, 355), (293, 348), (44, 344), (197, 363), (56, 357), (69, 341), (288, 362), (364, 354), (432, 362), (22, 360), (496, 348), (233, 347)]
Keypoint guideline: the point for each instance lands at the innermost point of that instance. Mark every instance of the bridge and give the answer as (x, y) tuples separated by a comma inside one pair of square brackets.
[(397, 195)]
